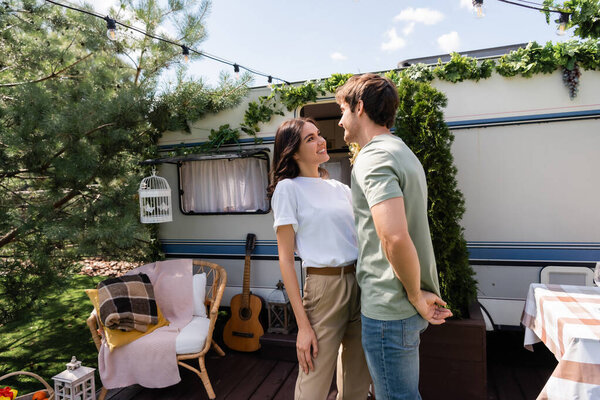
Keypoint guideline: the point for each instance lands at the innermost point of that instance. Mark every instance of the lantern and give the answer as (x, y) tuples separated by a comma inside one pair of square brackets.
[(76, 383), (155, 200), (281, 317)]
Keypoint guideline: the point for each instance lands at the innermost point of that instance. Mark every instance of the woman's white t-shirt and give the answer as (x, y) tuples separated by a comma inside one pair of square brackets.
[(320, 211)]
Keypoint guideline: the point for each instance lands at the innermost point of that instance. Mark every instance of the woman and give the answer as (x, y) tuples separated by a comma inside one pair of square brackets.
[(313, 216)]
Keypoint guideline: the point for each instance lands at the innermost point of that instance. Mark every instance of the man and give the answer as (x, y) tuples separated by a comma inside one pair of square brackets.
[(396, 267)]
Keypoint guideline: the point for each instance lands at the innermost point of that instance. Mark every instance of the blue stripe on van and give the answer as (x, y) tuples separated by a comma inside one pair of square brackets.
[(534, 251), (233, 248), (523, 118), (524, 251)]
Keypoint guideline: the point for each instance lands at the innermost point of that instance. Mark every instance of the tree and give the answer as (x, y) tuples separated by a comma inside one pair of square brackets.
[(75, 112), (584, 16)]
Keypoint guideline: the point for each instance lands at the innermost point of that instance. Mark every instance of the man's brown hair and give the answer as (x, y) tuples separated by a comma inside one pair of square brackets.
[(378, 94)]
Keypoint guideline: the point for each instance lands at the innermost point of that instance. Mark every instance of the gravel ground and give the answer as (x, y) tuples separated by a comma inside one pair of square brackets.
[(99, 267)]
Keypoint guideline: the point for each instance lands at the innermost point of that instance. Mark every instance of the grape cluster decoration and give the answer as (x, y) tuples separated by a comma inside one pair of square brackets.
[(571, 80)]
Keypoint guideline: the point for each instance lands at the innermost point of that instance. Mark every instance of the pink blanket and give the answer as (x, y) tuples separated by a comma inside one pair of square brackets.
[(151, 361)]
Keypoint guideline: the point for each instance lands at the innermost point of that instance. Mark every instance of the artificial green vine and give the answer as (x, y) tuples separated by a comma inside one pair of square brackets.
[(461, 68), (533, 59)]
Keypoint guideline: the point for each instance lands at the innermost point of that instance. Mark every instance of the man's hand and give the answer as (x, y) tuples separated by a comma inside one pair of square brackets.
[(305, 340), (431, 307)]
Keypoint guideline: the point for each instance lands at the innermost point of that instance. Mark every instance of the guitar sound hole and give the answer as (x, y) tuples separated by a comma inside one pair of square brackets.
[(245, 313)]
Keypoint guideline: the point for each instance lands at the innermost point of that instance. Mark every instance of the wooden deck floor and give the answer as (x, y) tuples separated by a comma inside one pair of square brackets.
[(513, 374)]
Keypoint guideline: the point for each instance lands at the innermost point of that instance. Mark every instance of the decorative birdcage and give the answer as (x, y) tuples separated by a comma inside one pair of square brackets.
[(155, 200)]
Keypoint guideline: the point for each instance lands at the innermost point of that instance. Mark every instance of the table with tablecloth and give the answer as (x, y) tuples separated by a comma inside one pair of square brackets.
[(567, 319)]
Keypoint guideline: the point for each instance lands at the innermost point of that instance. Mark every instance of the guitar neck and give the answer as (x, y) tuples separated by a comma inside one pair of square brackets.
[(246, 287)]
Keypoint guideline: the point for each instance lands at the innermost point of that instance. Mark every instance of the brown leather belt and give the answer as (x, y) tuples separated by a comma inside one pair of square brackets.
[(347, 269)]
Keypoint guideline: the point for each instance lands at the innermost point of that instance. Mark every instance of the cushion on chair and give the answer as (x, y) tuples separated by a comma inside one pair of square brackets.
[(199, 294), (116, 338), (127, 303), (192, 337)]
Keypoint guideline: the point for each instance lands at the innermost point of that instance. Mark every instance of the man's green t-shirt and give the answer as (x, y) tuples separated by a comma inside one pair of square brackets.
[(386, 168)]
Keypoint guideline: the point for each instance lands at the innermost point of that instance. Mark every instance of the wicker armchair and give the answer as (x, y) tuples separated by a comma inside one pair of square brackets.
[(216, 279)]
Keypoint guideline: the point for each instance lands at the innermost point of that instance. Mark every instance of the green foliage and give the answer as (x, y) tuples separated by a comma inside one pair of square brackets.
[(259, 112), (418, 72), (420, 123), (527, 61), (221, 136), (585, 16), (460, 68), (585, 54), (335, 81), (75, 120), (191, 100), (296, 96), (43, 340)]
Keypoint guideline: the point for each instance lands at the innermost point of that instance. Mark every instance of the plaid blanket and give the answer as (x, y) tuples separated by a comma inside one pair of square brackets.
[(127, 303)]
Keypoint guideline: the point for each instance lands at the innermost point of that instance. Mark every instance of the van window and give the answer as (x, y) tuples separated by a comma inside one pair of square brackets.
[(327, 115), (224, 186)]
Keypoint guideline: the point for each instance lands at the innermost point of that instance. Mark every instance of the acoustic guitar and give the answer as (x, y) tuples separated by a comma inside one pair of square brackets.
[(243, 330)]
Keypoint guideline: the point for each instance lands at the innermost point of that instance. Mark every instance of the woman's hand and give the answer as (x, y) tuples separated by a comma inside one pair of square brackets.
[(305, 340)]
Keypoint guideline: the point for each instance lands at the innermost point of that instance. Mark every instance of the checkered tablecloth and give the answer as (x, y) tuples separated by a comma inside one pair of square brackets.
[(567, 319)]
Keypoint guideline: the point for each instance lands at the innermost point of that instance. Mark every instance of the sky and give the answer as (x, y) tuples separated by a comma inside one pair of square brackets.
[(311, 39)]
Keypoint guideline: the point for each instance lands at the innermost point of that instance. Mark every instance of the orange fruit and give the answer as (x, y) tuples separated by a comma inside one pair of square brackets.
[(40, 395)]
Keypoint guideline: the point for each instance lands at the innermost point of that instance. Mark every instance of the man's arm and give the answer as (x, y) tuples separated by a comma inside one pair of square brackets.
[(389, 217)]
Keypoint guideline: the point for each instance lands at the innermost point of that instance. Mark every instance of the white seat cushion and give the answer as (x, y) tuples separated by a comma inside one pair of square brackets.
[(192, 337), (199, 284)]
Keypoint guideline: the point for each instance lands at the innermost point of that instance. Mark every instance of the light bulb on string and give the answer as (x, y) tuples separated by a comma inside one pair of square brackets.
[(478, 10), (111, 27), (185, 51), (236, 70), (563, 20), (270, 82)]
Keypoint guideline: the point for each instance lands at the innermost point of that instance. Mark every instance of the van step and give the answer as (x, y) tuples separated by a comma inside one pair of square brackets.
[(278, 346)]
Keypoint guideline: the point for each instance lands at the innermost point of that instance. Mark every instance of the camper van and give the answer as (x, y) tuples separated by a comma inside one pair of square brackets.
[(528, 160)]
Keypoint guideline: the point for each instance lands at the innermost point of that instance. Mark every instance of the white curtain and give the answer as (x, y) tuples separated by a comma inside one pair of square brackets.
[(235, 185)]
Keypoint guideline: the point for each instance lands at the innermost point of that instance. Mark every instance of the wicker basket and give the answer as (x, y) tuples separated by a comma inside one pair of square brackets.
[(39, 378)]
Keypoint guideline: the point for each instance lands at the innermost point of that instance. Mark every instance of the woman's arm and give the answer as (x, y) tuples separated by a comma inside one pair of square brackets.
[(306, 335)]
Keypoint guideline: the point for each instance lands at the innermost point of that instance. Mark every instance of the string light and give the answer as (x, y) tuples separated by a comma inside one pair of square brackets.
[(186, 53), (111, 25), (269, 81), (111, 28), (236, 71), (478, 8), (563, 20), (478, 11)]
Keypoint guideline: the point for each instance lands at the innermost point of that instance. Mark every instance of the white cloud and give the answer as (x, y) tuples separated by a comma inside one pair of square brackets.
[(394, 42), (338, 56), (408, 29), (449, 42), (468, 4), (425, 16)]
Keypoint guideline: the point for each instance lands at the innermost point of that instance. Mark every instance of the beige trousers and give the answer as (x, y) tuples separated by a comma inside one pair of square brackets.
[(332, 303)]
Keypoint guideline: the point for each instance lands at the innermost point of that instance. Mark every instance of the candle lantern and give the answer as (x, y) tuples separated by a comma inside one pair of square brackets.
[(76, 383), (281, 317)]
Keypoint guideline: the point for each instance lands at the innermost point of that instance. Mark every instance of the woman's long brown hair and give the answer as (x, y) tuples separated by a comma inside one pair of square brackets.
[(287, 143)]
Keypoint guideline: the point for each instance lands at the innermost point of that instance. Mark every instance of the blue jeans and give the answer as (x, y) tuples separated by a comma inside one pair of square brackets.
[(392, 352)]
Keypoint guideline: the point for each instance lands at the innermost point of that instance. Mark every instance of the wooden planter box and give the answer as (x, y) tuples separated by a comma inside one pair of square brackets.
[(453, 359)]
